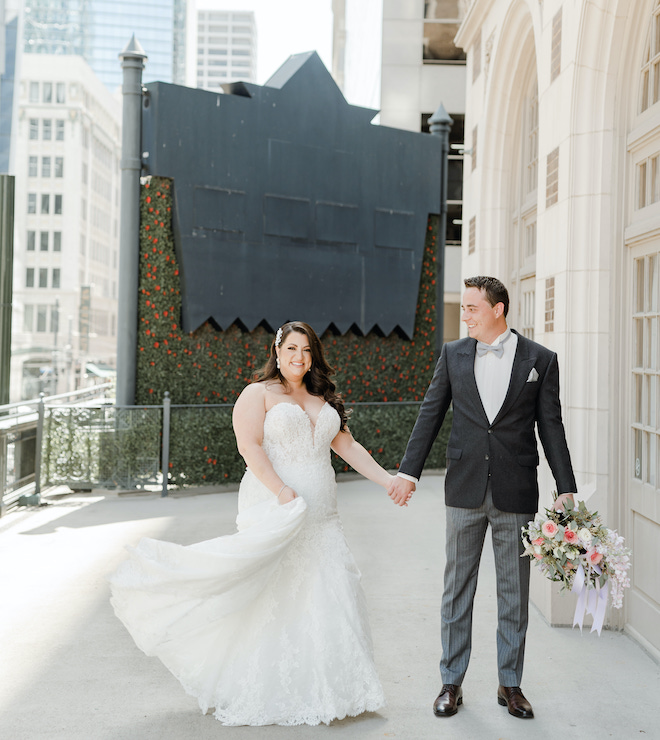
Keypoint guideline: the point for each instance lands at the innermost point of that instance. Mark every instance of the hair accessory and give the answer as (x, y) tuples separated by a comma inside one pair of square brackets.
[(278, 337)]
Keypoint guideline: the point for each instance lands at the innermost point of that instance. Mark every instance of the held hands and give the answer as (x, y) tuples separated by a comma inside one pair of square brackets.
[(400, 490), (285, 495), (561, 500)]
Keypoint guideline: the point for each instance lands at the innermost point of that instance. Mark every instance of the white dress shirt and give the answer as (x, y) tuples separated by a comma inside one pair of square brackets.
[(493, 374)]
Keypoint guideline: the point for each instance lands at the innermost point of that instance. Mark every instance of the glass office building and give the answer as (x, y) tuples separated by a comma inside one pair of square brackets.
[(98, 30)]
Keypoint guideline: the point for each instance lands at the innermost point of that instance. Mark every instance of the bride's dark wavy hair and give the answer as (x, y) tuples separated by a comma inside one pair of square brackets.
[(317, 379)]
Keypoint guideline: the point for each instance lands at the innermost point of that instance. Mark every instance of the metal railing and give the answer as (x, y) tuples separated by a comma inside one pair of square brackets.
[(21, 435), (87, 444)]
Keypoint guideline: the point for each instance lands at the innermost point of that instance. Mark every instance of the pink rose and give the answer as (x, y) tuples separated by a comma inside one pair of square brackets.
[(538, 556), (538, 541), (593, 556), (549, 529), (570, 536)]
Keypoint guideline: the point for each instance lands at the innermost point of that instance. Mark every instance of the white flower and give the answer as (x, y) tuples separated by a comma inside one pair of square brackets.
[(585, 535)]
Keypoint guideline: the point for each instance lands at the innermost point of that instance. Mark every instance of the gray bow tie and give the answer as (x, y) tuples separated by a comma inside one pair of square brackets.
[(496, 349)]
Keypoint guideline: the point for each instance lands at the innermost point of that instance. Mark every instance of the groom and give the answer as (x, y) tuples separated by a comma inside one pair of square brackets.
[(502, 386)]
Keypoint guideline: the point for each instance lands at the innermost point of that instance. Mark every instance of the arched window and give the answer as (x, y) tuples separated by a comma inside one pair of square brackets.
[(650, 82)]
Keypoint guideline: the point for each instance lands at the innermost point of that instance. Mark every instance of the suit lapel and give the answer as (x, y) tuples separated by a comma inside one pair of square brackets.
[(466, 373), (523, 362)]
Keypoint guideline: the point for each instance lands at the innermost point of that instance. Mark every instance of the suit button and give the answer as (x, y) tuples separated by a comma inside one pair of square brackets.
[(486, 457), (490, 431)]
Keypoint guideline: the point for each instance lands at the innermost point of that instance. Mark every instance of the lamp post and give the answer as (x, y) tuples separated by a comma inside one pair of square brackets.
[(440, 124), (132, 62)]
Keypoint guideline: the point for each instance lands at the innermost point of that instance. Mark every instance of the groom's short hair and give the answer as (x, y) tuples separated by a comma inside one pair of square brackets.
[(493, 289)]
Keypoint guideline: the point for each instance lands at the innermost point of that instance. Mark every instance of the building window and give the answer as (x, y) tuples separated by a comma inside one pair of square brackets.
[(47, 129), (31, 241), (527, 313), (60, 94), (48, 92), (57, 241), (28, 317), (532, 143), (550, 304), (45, 203), (474, 147), (34, 92), (530, 238), (555, 53), (83, 209), (472, 243), (646, 363), (34, 128), (552, 178), (42, 317), (45, 166), (32, 203), (32, 166), (59, 166), (59, 130), (476, 57), (648, 181), (29, 277), (650, 78), (56, 278), (58, 205), (441, 22), (43, 241), (82, 245), (43, 277)]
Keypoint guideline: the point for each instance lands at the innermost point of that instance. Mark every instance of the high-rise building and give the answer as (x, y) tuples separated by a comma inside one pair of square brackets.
[(10, 19), (98, 30), (66, 225), (226, 47), (399, 57)]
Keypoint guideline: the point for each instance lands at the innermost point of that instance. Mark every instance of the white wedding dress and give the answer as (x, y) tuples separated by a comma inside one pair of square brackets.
[(267, 625)]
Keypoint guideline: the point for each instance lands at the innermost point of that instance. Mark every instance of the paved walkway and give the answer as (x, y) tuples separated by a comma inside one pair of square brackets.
[(69, 671)]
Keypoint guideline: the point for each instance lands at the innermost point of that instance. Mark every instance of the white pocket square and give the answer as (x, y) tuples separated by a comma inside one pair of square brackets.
[(533, 376)]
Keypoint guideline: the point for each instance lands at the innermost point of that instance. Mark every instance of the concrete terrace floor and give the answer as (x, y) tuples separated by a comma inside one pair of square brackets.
[(69, 670)]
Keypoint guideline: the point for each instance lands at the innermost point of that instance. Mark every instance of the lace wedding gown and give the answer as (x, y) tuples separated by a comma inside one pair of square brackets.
[(268, 625)]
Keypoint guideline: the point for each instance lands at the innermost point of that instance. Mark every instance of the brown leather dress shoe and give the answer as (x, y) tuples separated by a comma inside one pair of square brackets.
[(512, 697), (448, 700)]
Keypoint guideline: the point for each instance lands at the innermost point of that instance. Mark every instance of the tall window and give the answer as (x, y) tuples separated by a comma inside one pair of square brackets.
[(34, 92), (29, 277), (43, 241), (59, 130), (31, 241), (525, 174), (47, 129), (646, 370), (32, 203), (45, 203), (47, 92), (56, 278), (441, 21), (58, 205), (59, 166), (57, 241), (43, 277), (32, 166), (45, 166), (650, 80), (60, 94), (34, 128), (28, 317)]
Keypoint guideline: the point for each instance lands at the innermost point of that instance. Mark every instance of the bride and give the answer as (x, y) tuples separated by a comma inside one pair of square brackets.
[(268, 625)]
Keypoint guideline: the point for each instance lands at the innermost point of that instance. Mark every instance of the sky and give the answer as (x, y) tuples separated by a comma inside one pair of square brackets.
[(284, 27)]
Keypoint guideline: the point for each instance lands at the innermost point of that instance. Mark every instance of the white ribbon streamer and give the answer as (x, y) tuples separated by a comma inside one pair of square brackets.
[(589, 601)]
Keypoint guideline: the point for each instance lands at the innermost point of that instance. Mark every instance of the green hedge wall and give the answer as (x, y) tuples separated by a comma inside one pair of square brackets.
[(209, 366)]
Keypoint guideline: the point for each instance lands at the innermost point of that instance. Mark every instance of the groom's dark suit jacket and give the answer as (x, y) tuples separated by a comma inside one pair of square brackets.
[(505, 451)]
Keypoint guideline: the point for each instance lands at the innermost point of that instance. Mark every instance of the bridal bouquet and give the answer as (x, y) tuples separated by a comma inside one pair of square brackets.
[(575, 548)]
